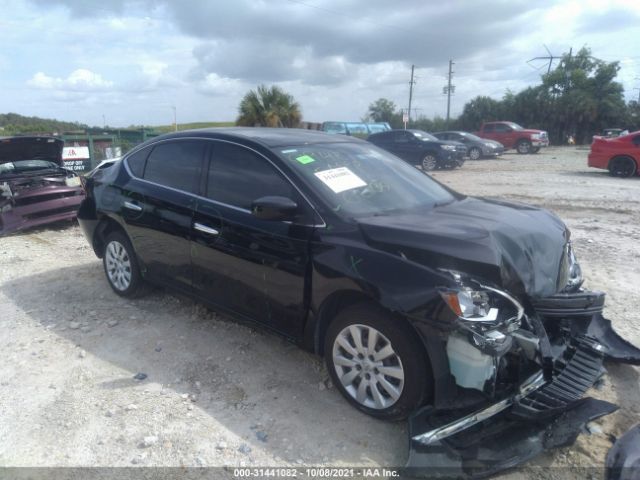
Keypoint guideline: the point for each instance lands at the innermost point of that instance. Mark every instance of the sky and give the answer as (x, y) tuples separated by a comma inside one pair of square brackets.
[(136, 62)]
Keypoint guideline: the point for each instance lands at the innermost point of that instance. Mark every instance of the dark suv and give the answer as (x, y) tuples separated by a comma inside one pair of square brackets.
[(421, 148), (415, 295)]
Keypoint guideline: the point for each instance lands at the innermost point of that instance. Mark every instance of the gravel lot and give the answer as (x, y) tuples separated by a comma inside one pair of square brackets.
[(222, 393)]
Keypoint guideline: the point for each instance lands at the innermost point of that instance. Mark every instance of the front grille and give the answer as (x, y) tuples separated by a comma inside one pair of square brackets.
[(21, 202), (570, 384)]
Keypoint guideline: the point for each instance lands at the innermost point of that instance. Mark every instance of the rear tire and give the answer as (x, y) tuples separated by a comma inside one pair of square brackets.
[(622, 167), (475, 153), (429, 162), (523, 147), (377, 362), (121, 266)]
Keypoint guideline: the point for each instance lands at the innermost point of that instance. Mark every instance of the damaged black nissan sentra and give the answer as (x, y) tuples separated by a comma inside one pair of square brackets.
[(464, 314)]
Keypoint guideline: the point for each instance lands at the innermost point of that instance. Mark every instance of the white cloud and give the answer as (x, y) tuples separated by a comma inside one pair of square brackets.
[(80, 80)]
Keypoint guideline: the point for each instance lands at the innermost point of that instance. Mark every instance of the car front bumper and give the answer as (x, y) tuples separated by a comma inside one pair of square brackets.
[(546, 411), (40, 207)]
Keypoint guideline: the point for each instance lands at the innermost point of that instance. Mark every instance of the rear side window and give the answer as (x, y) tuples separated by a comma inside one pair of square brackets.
[(176, 164), (238, 176), (136, 161), (488, 128)]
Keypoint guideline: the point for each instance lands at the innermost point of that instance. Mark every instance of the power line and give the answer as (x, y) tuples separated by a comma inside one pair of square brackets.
[(551, 57)]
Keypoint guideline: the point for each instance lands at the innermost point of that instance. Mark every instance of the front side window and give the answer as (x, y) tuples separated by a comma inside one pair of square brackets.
[(176, 164), (238, 176)]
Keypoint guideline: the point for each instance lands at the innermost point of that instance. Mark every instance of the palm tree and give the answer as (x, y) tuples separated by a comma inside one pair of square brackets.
[(269, 107)]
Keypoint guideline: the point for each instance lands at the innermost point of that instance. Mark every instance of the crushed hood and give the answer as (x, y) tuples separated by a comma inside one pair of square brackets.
[(31, 148), (518, 246)]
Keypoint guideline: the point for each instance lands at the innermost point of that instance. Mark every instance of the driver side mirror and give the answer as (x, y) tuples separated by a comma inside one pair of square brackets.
[(274, 208)]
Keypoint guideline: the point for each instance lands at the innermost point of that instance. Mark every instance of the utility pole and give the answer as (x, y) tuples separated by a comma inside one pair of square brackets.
[(175, 120), (449, 89), (411, 82)]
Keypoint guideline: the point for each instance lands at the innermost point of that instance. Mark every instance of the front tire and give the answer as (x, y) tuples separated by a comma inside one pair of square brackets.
[(524, 147), (475, 153), (429, 162), (623, 167), (377, 362), (121, 265)]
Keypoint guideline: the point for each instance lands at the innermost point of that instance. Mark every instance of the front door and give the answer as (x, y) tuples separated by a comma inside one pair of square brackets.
[(253, 267)]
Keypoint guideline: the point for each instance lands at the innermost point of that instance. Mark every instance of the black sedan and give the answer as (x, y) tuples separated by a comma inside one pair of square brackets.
[(421, 300), (421, 148), (476, 147)]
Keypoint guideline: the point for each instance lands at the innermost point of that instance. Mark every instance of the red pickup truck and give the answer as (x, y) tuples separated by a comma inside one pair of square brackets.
[(512, 135)]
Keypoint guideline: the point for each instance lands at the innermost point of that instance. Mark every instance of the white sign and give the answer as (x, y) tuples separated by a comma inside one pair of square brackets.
[(405, 117), (340, 179), (75, 153)]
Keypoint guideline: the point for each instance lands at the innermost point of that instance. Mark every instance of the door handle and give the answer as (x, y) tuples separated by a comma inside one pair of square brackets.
[(205, 229), (133, 206)]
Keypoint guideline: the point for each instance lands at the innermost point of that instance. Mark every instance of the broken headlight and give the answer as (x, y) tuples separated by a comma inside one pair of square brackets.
[(483, 304)]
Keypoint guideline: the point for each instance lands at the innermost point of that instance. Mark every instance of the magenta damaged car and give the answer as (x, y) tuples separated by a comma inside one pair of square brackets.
[(35, 188)]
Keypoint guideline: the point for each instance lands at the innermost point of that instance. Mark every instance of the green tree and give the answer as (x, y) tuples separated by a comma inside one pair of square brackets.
[(478, 110), (269, 107), (382, 110)]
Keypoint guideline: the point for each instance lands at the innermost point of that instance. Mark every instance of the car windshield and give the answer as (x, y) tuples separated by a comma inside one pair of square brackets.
[(515, 126), (21, 166), (424, 136), (362, 180)]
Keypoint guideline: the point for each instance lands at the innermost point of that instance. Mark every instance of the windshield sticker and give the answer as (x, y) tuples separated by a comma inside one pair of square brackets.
[(340, 179), (304, 159), (291, 150)]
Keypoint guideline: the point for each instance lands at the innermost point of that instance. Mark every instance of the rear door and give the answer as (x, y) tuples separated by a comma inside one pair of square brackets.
[(158, 208), (253, 267)]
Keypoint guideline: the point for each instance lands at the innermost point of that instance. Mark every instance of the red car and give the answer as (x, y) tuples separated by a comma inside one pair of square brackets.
[(35, 188), (619, 155)]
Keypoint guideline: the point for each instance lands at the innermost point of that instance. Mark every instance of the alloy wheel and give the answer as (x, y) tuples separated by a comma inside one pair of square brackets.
[(429, 163), (368, 367), (118, 265), (474, 154)]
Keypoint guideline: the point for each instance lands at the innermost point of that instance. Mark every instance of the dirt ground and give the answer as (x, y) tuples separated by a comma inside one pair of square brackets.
[(220, 393)]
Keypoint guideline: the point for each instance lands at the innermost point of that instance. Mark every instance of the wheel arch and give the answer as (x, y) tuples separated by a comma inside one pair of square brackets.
[(105, 226), (625, 156), (342, 299)]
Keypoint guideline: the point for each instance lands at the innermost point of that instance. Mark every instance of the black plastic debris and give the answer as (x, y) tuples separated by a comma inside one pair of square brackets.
[(140, 376), (497, 444)]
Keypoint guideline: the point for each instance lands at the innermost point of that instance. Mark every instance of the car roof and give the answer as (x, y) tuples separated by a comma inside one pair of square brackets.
[(269, 137)]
